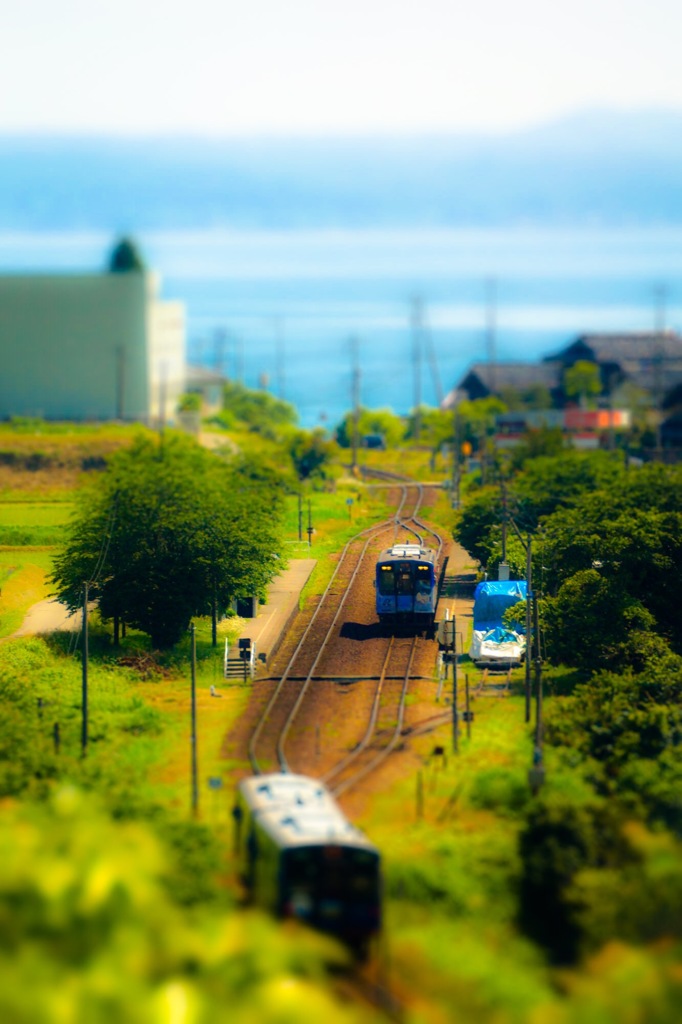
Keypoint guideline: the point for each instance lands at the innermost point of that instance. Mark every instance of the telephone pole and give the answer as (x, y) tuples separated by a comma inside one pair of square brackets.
[(193, 741), (491, 329), (355, 399), (417, 330), (660, 292), (84, 690)]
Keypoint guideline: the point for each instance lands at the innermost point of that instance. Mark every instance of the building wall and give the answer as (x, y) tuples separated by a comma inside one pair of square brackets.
[(166, 355), (81, 347)]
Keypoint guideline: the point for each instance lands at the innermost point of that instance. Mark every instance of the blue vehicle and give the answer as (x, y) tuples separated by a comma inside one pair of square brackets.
[(407, 586), (492, 645)]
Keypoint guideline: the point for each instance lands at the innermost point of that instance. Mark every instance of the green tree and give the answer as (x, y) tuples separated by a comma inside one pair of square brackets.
[(371, 421), (125, 257), (477, 523), (544, 441), (547, 482), (259, 411), (535, 396), (170, 533), (593, 623), (312, 454), (582, 381)]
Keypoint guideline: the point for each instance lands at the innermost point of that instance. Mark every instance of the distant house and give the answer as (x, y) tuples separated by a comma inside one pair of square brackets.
[(651, 361), (484, 379), (90, 347), (209, 385)]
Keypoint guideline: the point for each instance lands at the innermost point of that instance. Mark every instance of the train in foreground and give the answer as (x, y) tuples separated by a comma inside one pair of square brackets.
[(302, 858), (407, 586)]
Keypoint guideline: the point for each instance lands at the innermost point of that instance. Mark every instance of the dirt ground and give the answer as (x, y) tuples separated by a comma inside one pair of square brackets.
[(334, 716)]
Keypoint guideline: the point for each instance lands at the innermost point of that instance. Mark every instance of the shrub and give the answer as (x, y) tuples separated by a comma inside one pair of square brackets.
[(500, 790)]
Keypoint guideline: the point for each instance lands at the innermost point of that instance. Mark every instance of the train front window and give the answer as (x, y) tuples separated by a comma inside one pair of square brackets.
[(403, 578), (386, 580), (338, 873), (423, 579)]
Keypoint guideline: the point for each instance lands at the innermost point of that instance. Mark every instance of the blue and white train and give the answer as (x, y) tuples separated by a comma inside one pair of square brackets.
[(407, 586)]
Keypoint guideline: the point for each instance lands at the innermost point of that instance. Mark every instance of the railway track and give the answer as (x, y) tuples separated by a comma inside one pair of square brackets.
[(386, 721), (268, 746)]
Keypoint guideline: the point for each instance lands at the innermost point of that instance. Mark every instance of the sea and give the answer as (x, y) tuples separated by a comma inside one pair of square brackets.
[(392, 317)]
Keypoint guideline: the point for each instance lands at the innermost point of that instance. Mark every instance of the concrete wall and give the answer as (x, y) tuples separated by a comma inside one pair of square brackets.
[(82, 347)]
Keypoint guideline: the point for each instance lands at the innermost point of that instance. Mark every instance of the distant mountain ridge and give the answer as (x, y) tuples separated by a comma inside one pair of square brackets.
[(598, 167)]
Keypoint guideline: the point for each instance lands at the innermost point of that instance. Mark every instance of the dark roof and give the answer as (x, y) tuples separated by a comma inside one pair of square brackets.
[(518, 376), (628, 351)]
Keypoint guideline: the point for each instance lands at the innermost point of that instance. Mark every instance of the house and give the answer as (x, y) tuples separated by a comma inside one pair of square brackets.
[(485, 379), (209, 385), (651, 361), (95, 346)]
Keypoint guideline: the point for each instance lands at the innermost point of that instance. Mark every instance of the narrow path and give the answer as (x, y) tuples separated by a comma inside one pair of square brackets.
[(46, 617)]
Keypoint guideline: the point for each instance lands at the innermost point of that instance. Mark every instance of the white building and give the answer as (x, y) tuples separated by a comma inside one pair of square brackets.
[(90, 347)]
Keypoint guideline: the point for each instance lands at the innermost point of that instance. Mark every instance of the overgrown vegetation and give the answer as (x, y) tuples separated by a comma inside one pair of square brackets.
[(502, 906), (601, 863)]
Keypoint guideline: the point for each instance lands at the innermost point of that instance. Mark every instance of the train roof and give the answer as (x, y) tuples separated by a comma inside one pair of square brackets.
[(283, 789), (415, 551), (291, 828)]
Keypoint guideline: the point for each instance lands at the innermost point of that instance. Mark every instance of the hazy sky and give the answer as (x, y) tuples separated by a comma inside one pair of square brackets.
[(340, 66)]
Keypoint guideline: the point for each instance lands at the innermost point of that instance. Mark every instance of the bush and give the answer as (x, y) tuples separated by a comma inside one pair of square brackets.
[(559, 839), (500, 790)]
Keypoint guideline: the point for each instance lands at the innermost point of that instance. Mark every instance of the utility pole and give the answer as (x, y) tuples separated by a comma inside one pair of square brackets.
[(219, 351), (417, 330), (163, 371), (660, 292), (120, 381), (84, 697), (538, 676), (300, 516), (503, 488), (279, 357), (529, 645), (355, 400), (491, 330), (455, 710), (455, 456), (193, 741), (433, 364)]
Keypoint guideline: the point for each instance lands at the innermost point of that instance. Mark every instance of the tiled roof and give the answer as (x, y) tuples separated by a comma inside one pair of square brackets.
[(514, 375), (629, 350)]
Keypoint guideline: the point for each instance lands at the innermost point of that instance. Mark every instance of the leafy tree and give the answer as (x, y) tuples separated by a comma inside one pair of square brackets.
[(190, 402), (170, 533), (125, 257), (593, 623), (559, 839), (371, 421), (312, 454), (477, 419), (536, 396), (258, 410), (582, 381), (477, 523), (548, 482), (545, 441)]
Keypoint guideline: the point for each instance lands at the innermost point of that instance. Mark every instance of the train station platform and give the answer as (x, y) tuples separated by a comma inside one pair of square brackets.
[(268, 628)]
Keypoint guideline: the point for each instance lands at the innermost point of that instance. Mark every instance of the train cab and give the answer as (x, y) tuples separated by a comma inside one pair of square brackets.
[(406, 583)]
